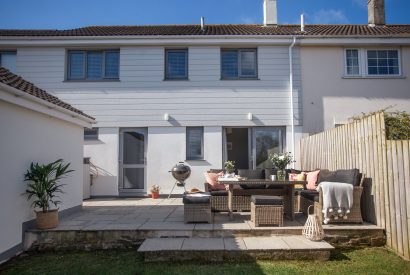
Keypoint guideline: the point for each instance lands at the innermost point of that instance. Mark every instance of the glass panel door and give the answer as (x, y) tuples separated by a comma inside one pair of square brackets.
[(132, 162), (265, 141)]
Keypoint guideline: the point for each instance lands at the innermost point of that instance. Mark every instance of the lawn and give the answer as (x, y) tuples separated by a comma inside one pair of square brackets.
[(362, 261)]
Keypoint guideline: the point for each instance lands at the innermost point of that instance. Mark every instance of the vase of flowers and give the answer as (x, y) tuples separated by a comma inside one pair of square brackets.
[(230, 169), (280, 161)]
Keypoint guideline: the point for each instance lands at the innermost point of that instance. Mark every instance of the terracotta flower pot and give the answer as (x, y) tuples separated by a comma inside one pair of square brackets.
[(155, 195), (47, 220)]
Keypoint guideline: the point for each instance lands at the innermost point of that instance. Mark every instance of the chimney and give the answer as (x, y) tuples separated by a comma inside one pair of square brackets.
[(270, 14), (376, 12)]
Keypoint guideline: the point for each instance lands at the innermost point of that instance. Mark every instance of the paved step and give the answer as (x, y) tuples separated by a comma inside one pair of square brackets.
[(234, 249)]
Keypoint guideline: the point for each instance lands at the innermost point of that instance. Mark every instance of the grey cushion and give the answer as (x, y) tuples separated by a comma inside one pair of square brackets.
[(267, 200), (187, 199), (219, 193), (252, 174), (351, 176), (311, 195)]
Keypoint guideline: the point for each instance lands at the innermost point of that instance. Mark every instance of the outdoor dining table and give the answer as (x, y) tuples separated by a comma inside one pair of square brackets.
[(285, 188)]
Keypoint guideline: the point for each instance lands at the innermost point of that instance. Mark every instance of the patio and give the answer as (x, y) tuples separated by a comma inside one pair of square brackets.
[(119, 223)]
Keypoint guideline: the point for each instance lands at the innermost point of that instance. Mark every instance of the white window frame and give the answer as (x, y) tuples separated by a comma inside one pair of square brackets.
[(85, 64), (363, 69), (240, 75)]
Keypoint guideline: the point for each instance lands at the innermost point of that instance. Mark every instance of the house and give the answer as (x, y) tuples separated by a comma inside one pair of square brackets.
[(204, 94), (36, 127)]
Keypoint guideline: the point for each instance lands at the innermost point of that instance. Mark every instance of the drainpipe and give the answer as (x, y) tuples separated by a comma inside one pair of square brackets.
[(292, 124)]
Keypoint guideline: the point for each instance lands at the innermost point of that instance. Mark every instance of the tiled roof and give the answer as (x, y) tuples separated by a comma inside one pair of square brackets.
[(159, 30), (19, 83)]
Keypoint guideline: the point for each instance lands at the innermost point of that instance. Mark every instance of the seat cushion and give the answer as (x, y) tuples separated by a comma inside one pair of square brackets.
[(219, 193), (311, 195), (192, 199), (267, 200), (252, 174)]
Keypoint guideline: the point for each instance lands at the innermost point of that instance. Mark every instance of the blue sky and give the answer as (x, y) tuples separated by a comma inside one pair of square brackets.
[(58, 14)]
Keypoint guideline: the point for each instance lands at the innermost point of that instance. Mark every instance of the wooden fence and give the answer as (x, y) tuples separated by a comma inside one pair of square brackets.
[(385, 163)]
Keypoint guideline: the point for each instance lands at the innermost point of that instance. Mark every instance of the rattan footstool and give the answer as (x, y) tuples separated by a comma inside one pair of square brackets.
[(197, 208), (267, 210)]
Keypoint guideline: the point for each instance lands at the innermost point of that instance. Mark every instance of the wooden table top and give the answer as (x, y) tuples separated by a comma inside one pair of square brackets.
[(259, 181)]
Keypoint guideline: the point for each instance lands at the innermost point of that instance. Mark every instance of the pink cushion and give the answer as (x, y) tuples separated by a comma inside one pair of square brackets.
[(212, 180), (311, 178)]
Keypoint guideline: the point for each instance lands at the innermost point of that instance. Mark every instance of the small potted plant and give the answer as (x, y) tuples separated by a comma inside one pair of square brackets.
[(155, 191), (230, 169), (280, 161), (43, 187)]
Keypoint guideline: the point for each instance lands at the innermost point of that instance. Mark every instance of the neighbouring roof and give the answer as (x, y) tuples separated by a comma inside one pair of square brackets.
[(164, 30), (17, 82)]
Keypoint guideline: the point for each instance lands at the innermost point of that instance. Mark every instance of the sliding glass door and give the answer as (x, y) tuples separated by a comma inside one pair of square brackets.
[(250, 147)]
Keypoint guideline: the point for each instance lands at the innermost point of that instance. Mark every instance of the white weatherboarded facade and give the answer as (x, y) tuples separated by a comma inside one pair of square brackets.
[(141, 97)]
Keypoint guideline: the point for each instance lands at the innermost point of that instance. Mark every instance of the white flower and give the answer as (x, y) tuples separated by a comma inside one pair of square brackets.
[(282, 157)]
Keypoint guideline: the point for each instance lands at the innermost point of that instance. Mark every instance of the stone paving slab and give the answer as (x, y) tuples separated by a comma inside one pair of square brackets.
[(273, 243)]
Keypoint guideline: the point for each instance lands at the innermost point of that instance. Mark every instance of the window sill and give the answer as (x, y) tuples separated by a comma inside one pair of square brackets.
[(175, 79), (236, 79), (194, 160), (94, 80), (374, 77)]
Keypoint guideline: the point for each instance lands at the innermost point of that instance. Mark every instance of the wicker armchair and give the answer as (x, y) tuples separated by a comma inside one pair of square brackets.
[(355, 215)]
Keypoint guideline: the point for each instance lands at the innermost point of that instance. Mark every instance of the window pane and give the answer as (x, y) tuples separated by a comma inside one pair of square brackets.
[(112, 64), (76, 65), (372, 62), (371, 54), (382, 62), (248, 63), (393, 54), (90, 134), (352, 62), (383, 70), (372, 70), (393, 70), (267, 141), (229, 66), (134, 143), (382, 54), (8, 61), (177, 64), (194, 142), (94, 65)]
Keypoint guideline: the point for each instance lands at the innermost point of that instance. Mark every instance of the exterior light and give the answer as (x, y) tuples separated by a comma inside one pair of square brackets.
[(166, 117), (250, 116)]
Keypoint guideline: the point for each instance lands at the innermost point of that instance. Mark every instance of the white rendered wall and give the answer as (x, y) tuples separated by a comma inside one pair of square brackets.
[(329, 98), (26, 137), (103, 154), (166, 147)]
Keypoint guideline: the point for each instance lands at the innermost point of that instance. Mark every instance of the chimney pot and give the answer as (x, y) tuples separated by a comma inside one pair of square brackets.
[(270, 13), (376, 12)]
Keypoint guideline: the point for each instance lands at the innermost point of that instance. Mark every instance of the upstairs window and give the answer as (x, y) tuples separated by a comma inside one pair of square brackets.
[(8, 61), (383, 62), (239, 64), (176, 64), (372, 63), (93, 65), (194, 143)]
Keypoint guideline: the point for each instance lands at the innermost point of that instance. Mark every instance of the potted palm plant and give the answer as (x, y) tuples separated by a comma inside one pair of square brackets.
[(43, 188)]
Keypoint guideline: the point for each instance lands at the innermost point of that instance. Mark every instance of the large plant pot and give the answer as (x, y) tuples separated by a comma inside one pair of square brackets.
[(47, 220)]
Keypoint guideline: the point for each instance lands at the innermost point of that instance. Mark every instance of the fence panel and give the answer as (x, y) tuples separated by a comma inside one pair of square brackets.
[(386, 164)]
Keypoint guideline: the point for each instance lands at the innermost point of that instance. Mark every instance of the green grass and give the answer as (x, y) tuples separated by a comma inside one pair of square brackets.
[(362, 261)]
